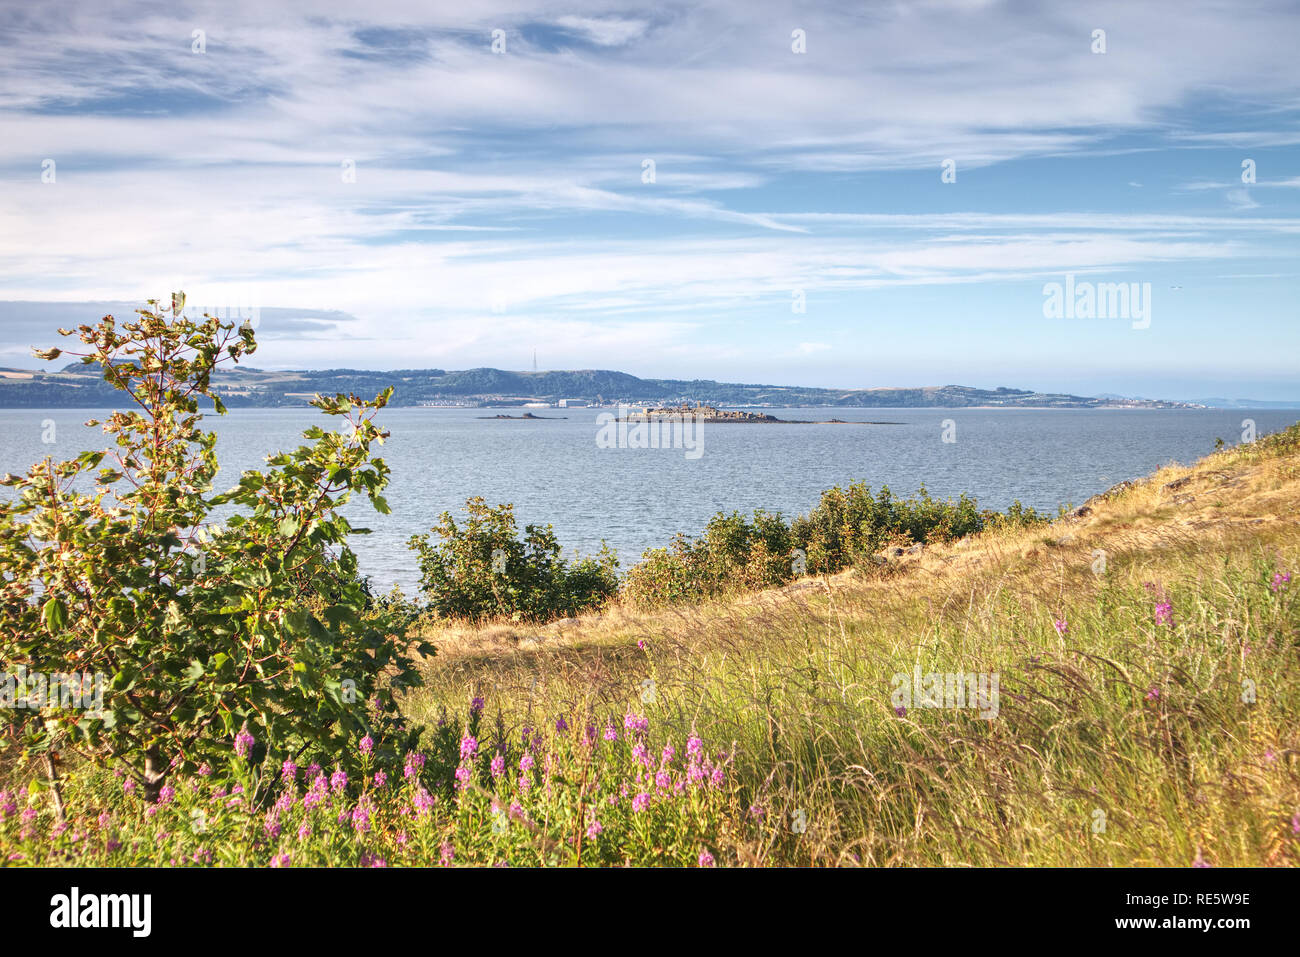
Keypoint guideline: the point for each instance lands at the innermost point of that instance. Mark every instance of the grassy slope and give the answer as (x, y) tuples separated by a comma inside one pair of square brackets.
[(1121, 721)]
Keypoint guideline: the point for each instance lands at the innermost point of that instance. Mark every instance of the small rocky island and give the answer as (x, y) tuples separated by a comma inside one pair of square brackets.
[(526, 415), (707, 413)]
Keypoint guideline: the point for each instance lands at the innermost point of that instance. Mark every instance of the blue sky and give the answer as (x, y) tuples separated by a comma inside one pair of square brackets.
[(499, 202)]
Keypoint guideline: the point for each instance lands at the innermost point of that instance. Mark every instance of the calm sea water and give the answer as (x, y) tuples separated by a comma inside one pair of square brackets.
[(554, 472)]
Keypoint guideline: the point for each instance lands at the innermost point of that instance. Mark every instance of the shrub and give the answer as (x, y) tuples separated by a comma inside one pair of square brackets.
[(484, 570), (258, 628), (848, 527)]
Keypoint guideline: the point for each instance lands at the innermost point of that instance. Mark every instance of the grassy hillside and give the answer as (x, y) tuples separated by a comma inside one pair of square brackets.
[(1148, 705)]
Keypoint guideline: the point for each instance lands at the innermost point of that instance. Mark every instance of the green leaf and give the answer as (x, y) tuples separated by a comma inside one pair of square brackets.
[(54, 614)]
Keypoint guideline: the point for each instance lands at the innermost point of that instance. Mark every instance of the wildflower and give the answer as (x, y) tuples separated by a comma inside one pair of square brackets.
[(463, 775), (1061, 626), (640, 643), (338, 781), (706, 859), (561, 724), (104, 819), (641, 802), (288, 771), (610, 733), (516, 811), (717, 777), (280, 860), (1295, 823), (1269, 756), (129, 786), (589, 736), (111, 845), (367, 745), (663, 779), (284, 802), (756, 812), (635, 722), (304, 832), (1200, 861), (423, 802), (526, 762), (901, 711), (1153, 694), (1164, 613), (272, 825), (694, 747), (414, 763), (669, 753), (594, 828), (380, 779), (244, 743), (361, 818), (525, 782), (166, 793), (1280, 581), (313, 769), (498, 765), (468, 746), (446, 854), (205, 770), (476, 706)]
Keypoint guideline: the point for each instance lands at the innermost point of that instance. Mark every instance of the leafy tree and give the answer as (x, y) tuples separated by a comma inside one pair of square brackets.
[(111, 563)]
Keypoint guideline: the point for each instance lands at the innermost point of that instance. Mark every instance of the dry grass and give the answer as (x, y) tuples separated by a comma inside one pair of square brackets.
[(800, 679)]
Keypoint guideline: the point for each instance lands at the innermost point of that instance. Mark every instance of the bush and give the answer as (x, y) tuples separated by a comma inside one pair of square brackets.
[(259, 628), (483, 570), (847, 528)]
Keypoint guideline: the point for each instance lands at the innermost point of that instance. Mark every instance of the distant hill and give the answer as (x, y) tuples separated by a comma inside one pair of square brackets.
[(78, 386)]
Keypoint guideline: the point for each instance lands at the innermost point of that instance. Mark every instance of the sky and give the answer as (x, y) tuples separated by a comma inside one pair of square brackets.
[(824, 194)]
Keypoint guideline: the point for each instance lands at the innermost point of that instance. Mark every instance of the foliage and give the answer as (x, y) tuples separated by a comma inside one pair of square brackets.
[(594, 792), (112, 565), (482, 569), (848, 527)]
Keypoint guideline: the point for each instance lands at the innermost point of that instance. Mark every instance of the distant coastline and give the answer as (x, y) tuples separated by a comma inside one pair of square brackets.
[(78, 386)]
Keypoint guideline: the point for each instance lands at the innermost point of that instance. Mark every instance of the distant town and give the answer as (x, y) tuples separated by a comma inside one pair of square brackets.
[(79, 386)]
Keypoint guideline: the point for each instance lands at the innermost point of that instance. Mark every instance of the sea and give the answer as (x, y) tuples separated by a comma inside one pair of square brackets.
[(562, 468)]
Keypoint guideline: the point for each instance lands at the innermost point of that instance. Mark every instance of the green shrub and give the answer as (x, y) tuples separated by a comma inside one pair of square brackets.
[(483, 570), (110, 565), (847, 528)]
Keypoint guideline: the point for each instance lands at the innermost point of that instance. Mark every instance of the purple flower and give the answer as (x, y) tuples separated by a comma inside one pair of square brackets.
[(641, 802), (901, 711), (338, 781), (593, 829), (1280, 581), (610, 733), (526, 762), (706, 859), (476, 706), (468, 746), (635, 722), (463, 775), (694, 747), (669, 752), (640, 643), (1153, 694), (1164, 613), (166, 794), (498, 765), (663, 780), (288, 771), (446, 854), (244, 743), (367, 745), (280, 860), (380, 779), (128, 786), (561, 724), (205, 770), (423, 802), (1061, 626)]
